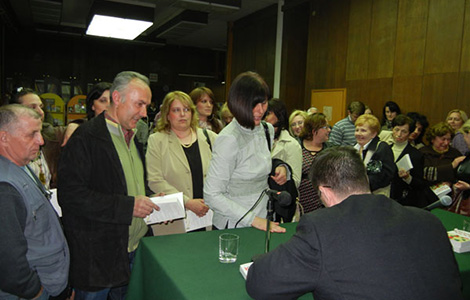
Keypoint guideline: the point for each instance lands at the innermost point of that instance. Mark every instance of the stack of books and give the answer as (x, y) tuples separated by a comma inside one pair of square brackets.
[(460, 240)]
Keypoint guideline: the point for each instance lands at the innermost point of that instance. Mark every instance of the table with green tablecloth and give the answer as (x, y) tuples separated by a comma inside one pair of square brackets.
[(186, 266), (452, 221)]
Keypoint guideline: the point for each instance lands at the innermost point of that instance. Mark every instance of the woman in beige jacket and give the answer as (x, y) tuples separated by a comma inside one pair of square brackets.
[(178, 156)]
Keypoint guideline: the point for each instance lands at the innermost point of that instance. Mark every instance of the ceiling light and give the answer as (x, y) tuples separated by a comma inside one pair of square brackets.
[(115, 27)]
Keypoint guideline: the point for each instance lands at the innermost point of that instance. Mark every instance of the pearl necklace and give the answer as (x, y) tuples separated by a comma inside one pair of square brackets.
[(191, 142)]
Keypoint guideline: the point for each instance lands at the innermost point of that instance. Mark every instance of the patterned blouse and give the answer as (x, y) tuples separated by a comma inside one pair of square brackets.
[(308, 195)]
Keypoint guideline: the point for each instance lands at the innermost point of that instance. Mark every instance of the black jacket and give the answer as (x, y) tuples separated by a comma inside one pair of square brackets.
[(366, 247), (417, 193), (96, 209)]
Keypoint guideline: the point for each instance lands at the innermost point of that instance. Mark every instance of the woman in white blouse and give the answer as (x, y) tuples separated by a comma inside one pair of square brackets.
[(241, 160)]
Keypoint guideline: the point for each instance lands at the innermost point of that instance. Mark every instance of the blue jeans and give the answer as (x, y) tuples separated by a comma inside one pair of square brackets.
[(115, 293), (118, 293), (4, 296)]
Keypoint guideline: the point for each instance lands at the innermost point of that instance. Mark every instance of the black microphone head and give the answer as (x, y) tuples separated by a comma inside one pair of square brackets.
[(284, 199)]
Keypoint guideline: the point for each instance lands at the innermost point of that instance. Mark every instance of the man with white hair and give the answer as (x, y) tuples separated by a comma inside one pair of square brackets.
[(103, 192)]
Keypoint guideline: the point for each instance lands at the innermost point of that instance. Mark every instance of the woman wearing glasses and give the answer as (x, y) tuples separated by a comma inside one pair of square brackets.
[(314, 136), (178, 155)]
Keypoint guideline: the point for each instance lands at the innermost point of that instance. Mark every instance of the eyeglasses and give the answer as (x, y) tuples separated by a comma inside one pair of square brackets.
[(299, 123), (325, 127), (178, 110)]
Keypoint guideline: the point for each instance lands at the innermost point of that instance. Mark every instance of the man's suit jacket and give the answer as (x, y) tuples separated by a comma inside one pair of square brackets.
[(417, 193), (97, 210), (367, 247)]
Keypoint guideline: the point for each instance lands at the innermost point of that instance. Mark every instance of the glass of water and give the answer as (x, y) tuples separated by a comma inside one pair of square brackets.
[(228, 247)]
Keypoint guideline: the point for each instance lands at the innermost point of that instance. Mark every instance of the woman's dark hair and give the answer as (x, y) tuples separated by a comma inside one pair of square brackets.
[(20, 92), (247, 90), (438, 130), (422, 120), (196, 96), (278, 107), (96, 91), (312, 123), (401, 120), (393, 108)]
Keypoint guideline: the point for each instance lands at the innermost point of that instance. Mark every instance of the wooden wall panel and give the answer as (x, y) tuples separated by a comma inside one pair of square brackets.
[(294, 56), (407, 92), (356, 90), (378, 91), (254, 44), (463, 97), (439, 95), (317, 54), (382, 38), (358, 39), (444, 36), (465, 60), (411, 37), (338, 25)]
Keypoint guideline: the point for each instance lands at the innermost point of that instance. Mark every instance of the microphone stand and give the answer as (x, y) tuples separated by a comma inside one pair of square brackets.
[(269, 218)]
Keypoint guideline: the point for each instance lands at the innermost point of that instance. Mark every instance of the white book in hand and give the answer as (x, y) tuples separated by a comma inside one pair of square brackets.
[(405, 163), (193, 222), (171, 208)]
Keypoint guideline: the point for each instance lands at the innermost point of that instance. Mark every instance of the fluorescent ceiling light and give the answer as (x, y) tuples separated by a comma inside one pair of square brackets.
[(118, 28)]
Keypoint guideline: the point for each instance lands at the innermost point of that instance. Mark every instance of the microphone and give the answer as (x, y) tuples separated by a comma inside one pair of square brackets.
[(444, 201), (283, 198)]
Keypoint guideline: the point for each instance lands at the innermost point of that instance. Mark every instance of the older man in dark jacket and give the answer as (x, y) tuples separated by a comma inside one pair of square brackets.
[(102, 192)]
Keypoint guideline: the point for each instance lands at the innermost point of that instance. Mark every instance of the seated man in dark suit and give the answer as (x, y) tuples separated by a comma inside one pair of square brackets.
[(361, 246)]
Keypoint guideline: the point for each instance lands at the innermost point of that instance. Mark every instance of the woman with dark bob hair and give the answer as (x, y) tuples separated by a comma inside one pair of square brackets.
[(241, 160), (440, 159)]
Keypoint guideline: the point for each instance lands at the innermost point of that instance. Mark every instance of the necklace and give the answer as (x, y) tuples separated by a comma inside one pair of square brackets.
[(309, 145), (190, 140)]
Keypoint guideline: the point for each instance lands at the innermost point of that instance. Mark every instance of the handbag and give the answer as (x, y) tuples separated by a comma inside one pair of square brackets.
[(463, 170), (283, 214)]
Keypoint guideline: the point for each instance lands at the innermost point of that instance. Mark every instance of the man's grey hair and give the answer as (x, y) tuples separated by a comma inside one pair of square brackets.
[(122, 80), (10, 115)]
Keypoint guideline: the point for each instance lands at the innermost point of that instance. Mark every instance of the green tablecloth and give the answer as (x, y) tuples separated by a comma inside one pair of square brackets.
[(186, 266), (452, 221)]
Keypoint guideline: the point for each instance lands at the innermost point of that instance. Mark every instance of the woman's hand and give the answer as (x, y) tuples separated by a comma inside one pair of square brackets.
[(403, 174), (260, 223), (68, 132), (280, 175), (457, 161), (462, 185), (197, 206)]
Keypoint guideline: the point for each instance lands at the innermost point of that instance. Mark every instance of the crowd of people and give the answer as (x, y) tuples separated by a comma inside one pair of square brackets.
[(106, 168)]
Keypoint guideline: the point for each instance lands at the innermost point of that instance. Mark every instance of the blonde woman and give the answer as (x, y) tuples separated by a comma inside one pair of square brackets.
[(377, 156), (178, 155), (296, 122)]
